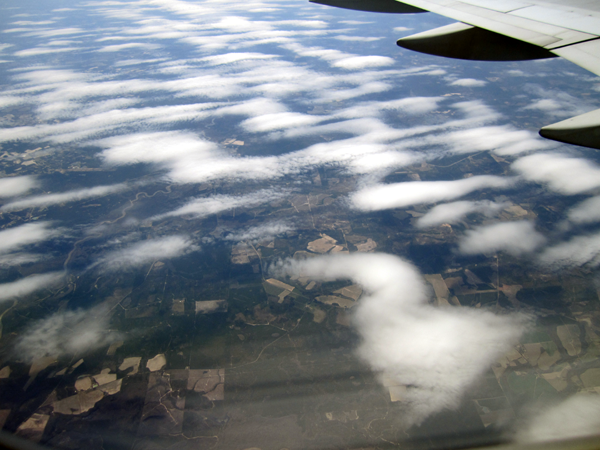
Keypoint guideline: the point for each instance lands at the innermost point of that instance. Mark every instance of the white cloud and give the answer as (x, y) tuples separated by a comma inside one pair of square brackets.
[(44, 51), (260, 232), (456, 211), (10, 100), (64, 197), (203, 207), (13, 186), (560, 173), (12, 239), (515, 238), (357, 38), (65, 333), (545, 105), (578, 251), (278, 121), (437, 353), (468, 82), (361, 62), (16, 259), (129, 45), (503, 140), (28, 285), (145, 252), (576, 417), (229, 58), (400, 195), (384, 161), (588, 211)]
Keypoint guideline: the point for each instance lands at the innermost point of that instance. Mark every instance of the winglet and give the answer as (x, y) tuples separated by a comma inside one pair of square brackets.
[(581, 130)]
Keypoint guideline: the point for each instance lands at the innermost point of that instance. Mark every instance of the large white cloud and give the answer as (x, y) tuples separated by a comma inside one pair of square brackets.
[(400, 195), (561, 173), (437, 353), (513, 237)]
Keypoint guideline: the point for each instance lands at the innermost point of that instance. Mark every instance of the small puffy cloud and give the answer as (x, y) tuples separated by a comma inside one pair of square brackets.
[(455, 211), (147, 251), (362, 62), (13, 186), (588, 211), (29, 285), (578, 251), (545, 105), (436, 354), (400, 195), (561, 173), (12, 239), (261, 232), (64, 197), (468, 82), (65, 333), (576, 417), (515, 238)]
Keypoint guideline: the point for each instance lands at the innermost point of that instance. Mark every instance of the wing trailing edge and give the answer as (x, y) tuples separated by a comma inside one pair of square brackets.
[(462, 41), (383, 6)]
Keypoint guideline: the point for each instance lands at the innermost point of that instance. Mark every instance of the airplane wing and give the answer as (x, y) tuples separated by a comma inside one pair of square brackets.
[(502, 30)]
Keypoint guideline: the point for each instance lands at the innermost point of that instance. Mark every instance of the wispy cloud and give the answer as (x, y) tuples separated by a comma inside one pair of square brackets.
[(145, 252), (203, 207), (261, 232), (65, 333), (575, 417), (64, 197), (29, 285), (13, 239), (578, 251)]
